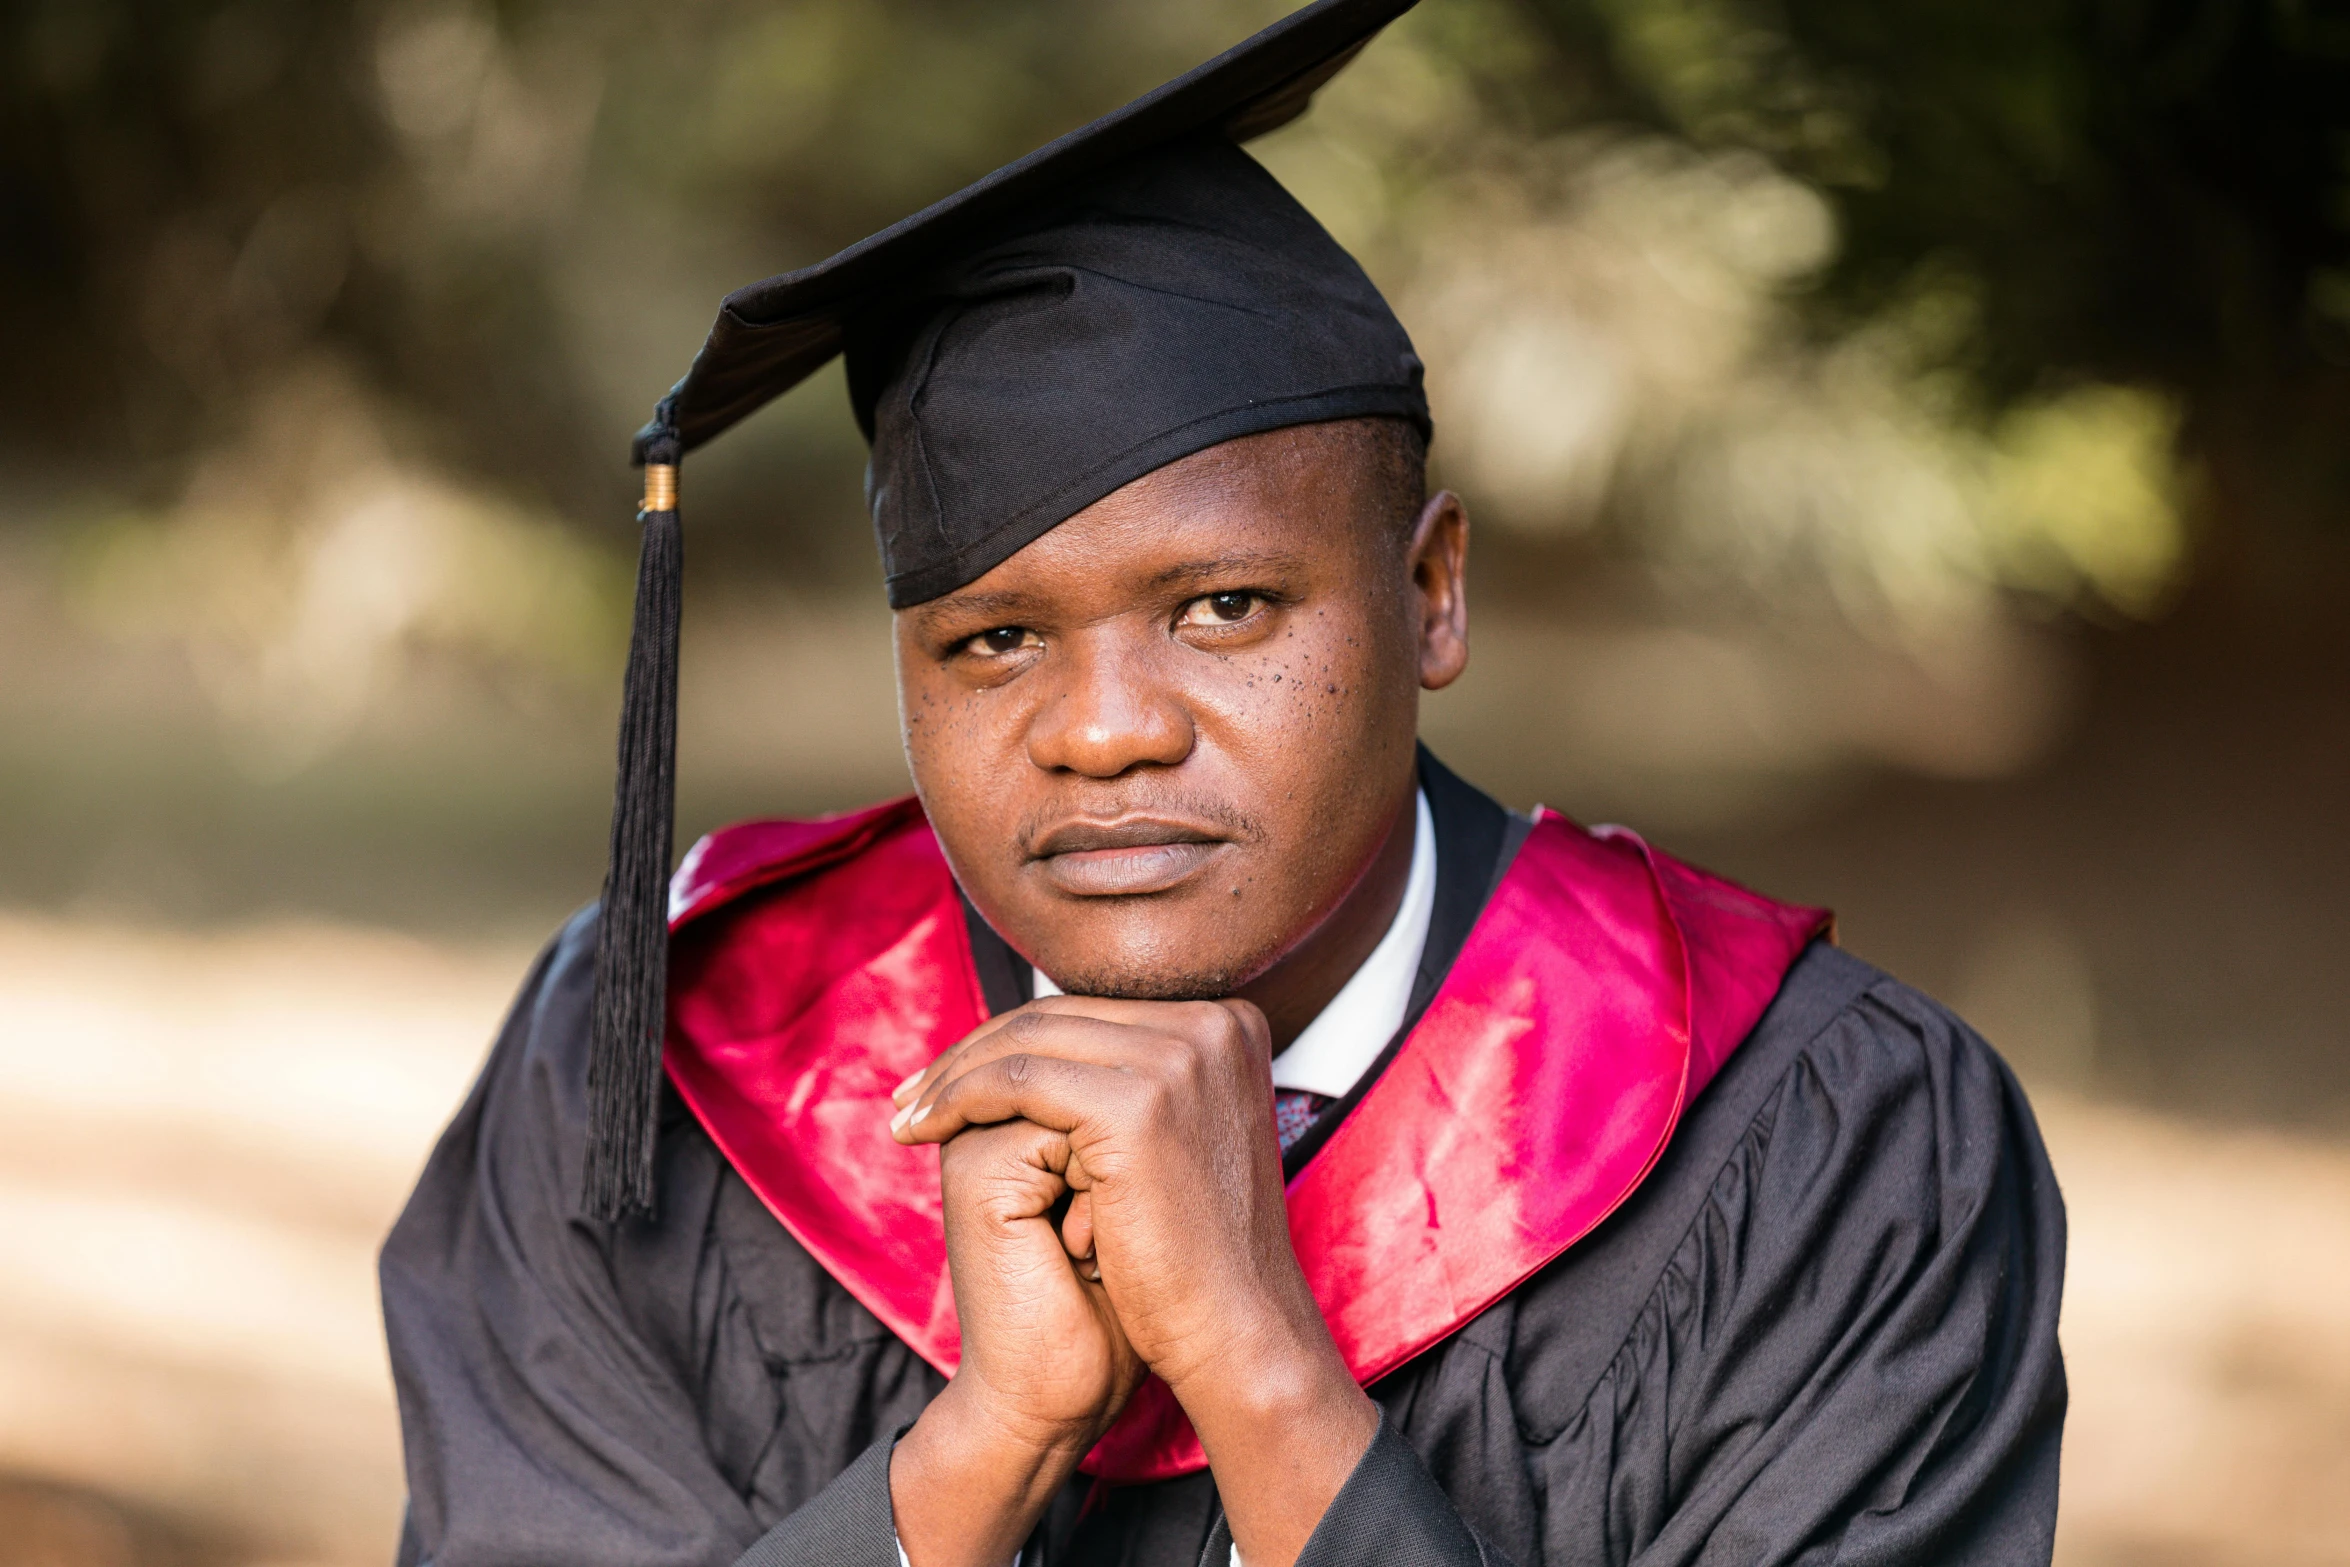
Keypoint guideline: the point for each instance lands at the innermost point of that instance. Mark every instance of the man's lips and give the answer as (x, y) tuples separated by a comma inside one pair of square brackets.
[(1123, 859)]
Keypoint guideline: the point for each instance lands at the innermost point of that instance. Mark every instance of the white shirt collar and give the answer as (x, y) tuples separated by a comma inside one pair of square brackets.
[(1342, 1041)]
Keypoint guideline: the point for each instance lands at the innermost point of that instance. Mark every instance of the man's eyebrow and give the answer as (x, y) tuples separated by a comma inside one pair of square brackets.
[(1185, 573), (996, 608)]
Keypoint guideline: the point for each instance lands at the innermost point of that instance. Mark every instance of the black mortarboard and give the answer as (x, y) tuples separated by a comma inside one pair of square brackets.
[(1134, 292)]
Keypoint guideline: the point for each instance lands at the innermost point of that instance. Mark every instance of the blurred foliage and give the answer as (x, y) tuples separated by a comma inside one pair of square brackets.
[(2150, 192), (2125, 189), (195, 193)]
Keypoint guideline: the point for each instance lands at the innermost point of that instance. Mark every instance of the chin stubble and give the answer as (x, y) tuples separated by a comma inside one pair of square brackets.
[(1166, 981), (1135, 984)]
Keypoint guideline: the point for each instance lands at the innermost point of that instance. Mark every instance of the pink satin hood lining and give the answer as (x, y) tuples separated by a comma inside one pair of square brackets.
[(1601, 989)]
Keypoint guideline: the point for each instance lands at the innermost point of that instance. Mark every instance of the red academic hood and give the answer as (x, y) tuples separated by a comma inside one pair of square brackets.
[(815, 964)]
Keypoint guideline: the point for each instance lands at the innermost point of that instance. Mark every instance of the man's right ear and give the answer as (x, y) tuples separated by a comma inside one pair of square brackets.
[(1440, 572)]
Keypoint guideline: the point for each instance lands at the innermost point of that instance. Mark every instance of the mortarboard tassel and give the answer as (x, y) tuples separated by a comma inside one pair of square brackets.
[(632, 935)]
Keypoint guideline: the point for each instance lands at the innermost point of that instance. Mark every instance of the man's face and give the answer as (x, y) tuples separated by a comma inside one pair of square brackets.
[(1164, 742)]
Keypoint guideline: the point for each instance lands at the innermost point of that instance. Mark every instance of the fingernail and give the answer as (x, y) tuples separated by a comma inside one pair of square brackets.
[(919, 1113), (899, 1093), (897, 1123)]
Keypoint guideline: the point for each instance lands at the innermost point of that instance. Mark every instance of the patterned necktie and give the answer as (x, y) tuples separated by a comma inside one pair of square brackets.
[(1294, 1110)]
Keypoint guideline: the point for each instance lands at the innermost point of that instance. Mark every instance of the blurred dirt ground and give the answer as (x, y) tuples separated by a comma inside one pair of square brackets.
[(191, 1369)]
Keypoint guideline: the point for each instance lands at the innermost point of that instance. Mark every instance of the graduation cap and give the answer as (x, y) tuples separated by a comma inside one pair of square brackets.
[(1132, 293)]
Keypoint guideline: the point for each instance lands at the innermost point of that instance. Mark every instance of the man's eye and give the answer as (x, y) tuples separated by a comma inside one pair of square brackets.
[(1221, 609), (1003, 639)]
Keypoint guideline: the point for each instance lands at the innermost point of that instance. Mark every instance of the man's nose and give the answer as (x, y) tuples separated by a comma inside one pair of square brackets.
[(1110, 710)]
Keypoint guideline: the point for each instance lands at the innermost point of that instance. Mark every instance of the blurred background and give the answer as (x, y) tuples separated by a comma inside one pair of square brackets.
[(1907, 446)]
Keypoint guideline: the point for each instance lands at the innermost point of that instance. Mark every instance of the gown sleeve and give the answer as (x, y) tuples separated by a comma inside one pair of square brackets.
[(1849, 1356), (590, 1394)]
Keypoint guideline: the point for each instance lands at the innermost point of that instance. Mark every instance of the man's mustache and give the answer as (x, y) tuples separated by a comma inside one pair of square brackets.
[(1133, 825)]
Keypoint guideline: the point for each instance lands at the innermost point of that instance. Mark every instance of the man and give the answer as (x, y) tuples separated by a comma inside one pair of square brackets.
[(1201, 1128)]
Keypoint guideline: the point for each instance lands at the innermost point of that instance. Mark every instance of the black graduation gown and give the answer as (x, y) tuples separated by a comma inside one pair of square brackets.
[(1822, 1330)]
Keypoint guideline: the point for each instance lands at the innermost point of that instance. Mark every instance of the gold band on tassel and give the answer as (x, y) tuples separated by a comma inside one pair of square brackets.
[(660, 486)]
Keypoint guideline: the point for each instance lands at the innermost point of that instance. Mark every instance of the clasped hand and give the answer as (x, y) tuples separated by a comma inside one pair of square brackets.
[(1114, 1204)]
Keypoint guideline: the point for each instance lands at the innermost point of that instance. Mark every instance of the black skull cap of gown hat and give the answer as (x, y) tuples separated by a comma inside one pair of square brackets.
[(1132, 293), (1180, 300)]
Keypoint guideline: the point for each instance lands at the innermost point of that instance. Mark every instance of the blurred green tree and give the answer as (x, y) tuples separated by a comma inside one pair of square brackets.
[(198, 191), (2151, 192), (195, 192)]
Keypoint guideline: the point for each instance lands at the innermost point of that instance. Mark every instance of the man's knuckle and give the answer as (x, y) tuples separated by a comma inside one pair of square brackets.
[(1153, 1096), (1211, 1027)]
